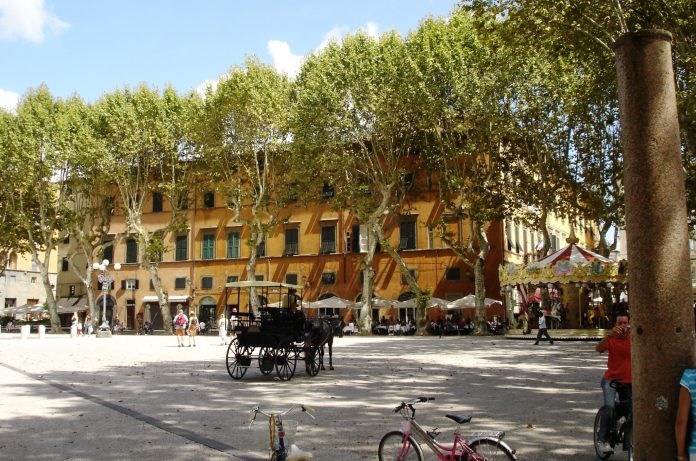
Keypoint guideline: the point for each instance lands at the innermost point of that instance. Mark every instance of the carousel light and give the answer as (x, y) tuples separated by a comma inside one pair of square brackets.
[(610, 286), (577, 285), (550, 286), (585, 286)]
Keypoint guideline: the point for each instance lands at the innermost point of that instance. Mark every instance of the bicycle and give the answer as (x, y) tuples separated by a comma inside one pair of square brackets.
[(620, 417), (277, 447), (403, 445)]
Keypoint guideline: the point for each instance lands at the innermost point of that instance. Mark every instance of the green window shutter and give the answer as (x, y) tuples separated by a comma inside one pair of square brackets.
[(208, 246), (131, 251), (233, 245), (181, 248)]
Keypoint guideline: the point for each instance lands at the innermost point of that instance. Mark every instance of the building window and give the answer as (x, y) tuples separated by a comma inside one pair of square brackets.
[(328, 278), (413, 274), (156, 202), (261, 249), (258, 277), (407, 235), (524, 241), (180, 283), (232, 278), (291, 279), (327, 191), (66, 240), (208, 246), (233, 245), (453, 274), (72, 290), (517, 239), (292, 237), (108, 251), (181, 252), (328, 239), (183, 202), (64, 265), (33, 280), (209, 200), (206, 283), (130, 284), (131, 251)]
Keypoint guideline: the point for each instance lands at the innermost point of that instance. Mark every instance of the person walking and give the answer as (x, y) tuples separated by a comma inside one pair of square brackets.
[(88, 328), (542, 330), (222, 325), (193, 329), (180, 322)]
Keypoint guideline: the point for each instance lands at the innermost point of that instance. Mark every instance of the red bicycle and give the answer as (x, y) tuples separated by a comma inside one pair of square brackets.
[(403, 445)]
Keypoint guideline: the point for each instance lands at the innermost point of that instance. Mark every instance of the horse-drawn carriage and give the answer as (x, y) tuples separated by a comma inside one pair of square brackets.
[(277, 335)]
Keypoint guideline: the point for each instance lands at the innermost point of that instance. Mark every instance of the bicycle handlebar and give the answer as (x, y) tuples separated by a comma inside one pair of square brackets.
[(412, 402), (298, 406)]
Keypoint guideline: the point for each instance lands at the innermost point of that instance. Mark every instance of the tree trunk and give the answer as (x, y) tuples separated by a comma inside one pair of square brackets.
[(50, 297), (421, 297), (365, 316), (256, 239), (662, 324)]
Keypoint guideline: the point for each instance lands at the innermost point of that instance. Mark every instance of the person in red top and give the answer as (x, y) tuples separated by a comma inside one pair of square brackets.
[(618, 345)]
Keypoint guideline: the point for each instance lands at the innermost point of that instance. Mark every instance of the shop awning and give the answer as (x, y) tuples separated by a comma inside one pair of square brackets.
[(172, 299)]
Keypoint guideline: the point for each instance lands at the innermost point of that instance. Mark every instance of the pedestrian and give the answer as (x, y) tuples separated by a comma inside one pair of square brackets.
[(618, 346), (79, 327), (686, 441), (542, 329), (180, 322), (88, 325), (193, 326), (222, 326)]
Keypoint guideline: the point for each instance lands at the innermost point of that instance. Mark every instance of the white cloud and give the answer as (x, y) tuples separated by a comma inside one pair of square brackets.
[(8, 100), (283, 59), (337, 33), (28, 20)]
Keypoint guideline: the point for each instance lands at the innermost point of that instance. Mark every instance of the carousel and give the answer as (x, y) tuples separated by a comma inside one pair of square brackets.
[(581, 288)]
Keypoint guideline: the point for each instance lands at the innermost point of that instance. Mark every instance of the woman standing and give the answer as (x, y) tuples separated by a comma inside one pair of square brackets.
[(686, 442), (193, 329)]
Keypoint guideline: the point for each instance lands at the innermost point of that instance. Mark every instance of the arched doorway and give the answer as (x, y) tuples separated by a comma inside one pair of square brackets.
[(206, 310), (110, 307)]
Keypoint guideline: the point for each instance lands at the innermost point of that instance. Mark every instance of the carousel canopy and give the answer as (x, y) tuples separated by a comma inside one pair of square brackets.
[(571, 264)]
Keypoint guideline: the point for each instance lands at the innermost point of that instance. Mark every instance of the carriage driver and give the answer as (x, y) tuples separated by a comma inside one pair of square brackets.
[(290, 300)]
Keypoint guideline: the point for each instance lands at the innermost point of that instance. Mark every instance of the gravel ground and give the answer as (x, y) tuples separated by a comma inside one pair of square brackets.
[(141, 397)]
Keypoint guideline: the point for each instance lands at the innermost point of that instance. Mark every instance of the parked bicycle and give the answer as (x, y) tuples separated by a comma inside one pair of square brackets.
[(404, 445), (620, 418), (278, 449)]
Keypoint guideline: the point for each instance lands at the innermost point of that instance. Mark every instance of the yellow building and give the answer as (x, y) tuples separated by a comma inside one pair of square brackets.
[(317, 248)]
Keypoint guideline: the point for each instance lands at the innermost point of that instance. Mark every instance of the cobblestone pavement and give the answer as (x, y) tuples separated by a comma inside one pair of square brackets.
[(141, 397)]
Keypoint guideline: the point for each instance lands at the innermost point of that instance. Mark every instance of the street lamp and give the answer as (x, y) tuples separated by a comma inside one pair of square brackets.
[(105, 279)]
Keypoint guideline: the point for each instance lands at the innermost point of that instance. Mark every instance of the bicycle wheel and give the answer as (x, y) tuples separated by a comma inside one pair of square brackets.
[(391, 445), (491, 449), (597, 421)]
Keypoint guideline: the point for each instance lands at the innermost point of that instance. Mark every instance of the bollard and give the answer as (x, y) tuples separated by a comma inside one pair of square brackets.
[(73, 331), (42, 331), (25, 331)]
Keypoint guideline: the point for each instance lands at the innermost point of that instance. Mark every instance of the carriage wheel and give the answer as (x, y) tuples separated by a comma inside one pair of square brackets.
[(313, 361), (267, 359), (286, 362), (238, 359)]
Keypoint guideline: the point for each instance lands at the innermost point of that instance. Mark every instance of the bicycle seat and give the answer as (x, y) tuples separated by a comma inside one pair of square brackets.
[(459, 419)]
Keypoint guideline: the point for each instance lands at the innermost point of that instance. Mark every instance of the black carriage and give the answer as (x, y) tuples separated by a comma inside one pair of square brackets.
[(274, 338)]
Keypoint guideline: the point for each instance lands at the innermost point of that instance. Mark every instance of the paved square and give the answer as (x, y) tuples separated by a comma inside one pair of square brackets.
[(141, 397)]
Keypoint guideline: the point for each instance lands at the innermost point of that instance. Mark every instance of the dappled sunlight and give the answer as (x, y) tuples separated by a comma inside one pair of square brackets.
[(544, 399)]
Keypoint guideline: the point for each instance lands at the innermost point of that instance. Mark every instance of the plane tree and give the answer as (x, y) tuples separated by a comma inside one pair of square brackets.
[(354, 130), (464, 120), (243, 131), (147, 149)]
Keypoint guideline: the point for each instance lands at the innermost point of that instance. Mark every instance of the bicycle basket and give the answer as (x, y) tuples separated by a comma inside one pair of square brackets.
[(260, 433)]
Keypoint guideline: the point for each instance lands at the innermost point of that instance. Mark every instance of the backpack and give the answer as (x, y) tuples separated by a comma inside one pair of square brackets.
[(180, 320)]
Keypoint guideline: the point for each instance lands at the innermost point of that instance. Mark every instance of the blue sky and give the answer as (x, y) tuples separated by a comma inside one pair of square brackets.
[(92, 47)]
